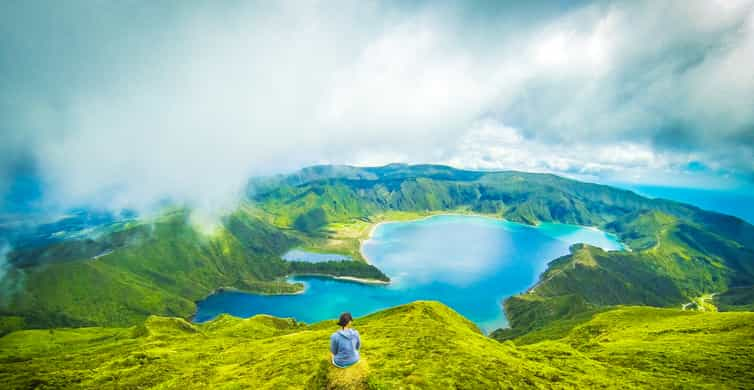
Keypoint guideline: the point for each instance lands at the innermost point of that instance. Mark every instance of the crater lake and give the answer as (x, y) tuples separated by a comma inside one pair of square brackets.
[(470, 263)]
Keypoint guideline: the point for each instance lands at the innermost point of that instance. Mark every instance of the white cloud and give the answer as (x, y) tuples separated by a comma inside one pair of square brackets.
[(491, 145), (189, 109)]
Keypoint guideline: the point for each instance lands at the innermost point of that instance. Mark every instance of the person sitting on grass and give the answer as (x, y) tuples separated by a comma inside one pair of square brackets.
[(345, 343)]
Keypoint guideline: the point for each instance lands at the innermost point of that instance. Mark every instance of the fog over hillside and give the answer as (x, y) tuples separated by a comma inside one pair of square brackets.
[(125, 104)]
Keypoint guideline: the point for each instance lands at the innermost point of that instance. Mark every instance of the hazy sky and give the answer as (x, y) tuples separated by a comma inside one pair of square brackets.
[(124, 103)]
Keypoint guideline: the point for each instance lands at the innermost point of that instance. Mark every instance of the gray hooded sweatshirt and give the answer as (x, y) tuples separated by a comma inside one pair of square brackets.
[(345, 344)]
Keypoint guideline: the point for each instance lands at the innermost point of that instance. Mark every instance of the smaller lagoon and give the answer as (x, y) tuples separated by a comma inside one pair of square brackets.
[(470, 263), (312, 257)]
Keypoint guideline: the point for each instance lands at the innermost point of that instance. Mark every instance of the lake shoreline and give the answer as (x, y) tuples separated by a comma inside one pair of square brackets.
[(240, 290), (315, 288), (224, 289), (532, 288), (374, 226), (347, 278)]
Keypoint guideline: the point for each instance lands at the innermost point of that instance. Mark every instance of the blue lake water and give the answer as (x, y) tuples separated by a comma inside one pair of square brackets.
[(469, 263)]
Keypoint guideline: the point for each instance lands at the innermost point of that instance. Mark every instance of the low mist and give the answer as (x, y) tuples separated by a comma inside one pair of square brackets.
[(125, 105)]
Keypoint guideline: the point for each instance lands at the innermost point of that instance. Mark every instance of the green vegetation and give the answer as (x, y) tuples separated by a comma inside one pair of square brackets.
[(165, 267), (161, 266), (673, 263), (677, 252), (421, 345), (338, 268), (735, 299), (702, 303), (568, 330), (311, 220)]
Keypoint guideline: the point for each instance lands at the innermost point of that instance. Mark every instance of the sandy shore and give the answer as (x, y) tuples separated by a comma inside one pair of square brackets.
[(362, 280), (349, 278), (369, 237)]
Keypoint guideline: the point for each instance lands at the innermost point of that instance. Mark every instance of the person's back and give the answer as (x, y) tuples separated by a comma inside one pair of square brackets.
[(345, 343)]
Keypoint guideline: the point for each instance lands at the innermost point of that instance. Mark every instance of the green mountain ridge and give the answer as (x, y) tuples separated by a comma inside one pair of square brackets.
[(162, 266), (171, 266), (677, 251), (419, 345), (675, 263)]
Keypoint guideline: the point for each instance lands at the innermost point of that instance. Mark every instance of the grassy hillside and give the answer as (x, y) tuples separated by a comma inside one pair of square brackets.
[(343, 193), (678, 252), (673, 263), (419, 345), (162, 266)]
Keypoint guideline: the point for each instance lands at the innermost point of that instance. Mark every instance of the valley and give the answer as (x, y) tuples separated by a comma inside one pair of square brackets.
[(164, 265)]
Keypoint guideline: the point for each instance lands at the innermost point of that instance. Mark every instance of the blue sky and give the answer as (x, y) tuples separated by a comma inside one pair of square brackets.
[(127, 103)]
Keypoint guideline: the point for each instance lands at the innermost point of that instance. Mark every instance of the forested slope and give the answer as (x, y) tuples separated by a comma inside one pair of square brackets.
[(164, 264)]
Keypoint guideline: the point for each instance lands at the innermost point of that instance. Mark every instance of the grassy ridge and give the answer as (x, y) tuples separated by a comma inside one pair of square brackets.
[(678, 252), (163, 266), (422, 345), (673, 262), (170, 266)]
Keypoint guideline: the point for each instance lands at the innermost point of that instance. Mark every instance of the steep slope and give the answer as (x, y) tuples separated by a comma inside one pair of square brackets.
[(735, 299), (422, 345), (163, 267), (315, 197), (345, 192), (673, 262), (679, 252)]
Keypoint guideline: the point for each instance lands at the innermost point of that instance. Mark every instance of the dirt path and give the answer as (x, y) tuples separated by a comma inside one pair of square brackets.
[(700, 303)]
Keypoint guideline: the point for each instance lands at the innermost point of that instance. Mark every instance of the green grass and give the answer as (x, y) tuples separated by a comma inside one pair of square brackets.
[(355, 269), (419, 345), (166, 268), (163, 266), (672, 262)]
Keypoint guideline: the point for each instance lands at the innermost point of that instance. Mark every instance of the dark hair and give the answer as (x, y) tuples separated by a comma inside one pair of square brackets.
[(344, 319)]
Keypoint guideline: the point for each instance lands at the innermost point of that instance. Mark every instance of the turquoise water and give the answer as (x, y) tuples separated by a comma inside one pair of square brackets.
[(469, 263), (312, 257), (732, 202)]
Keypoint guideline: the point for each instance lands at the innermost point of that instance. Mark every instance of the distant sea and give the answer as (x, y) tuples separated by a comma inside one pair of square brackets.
[(738, 203)]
